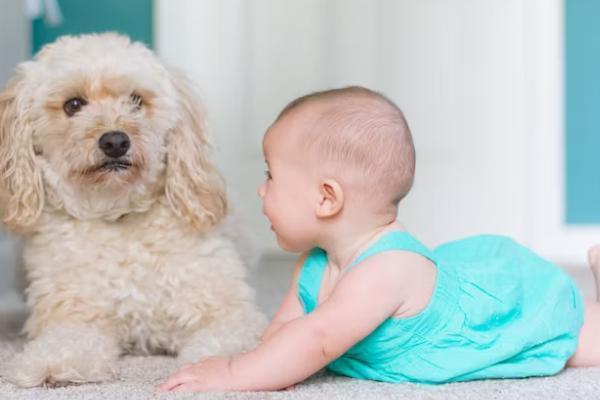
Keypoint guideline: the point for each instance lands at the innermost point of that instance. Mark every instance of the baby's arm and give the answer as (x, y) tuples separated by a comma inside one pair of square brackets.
[(290, 308), (305, 345), (362, 300)]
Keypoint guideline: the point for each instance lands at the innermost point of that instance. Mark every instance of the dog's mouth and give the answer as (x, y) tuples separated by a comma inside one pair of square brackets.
[(115, 165), (108, 170)]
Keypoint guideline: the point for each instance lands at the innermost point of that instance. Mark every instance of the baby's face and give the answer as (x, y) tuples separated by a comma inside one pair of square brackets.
[(290, 191)]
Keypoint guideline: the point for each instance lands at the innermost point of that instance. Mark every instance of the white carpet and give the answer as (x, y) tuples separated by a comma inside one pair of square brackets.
[(141, 375)]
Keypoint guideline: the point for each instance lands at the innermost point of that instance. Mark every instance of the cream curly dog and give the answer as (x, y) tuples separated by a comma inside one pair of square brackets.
[(104, 169)]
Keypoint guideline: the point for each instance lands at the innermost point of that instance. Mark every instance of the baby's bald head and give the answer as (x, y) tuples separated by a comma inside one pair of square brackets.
[(360, 137)]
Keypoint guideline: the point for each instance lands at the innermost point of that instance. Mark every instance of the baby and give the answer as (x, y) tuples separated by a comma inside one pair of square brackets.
[(368, 300)]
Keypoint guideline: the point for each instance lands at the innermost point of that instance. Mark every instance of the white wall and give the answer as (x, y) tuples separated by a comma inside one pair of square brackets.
[(459, 70), (480, 82), (14, 48)]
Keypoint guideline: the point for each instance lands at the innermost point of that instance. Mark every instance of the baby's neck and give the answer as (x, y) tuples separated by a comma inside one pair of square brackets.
[(348, 242)]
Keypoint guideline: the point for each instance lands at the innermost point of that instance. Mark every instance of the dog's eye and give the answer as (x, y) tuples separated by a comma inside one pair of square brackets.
[(137, 101), (73, 106)]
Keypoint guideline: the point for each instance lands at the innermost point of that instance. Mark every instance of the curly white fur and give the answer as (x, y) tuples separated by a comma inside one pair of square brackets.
[(118, 260)]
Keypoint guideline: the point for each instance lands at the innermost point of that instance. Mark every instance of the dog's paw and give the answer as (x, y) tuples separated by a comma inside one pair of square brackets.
[(63, 357), (30, 370)]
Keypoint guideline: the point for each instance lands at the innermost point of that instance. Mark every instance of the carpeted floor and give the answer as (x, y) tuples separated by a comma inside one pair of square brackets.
[(141, 375)]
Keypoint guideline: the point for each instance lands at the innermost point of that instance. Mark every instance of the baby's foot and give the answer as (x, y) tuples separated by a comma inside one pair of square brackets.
[(594, 258)]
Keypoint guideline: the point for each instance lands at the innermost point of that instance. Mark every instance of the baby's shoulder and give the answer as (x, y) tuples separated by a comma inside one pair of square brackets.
[(406, 279), (398, 265), (397, 259)]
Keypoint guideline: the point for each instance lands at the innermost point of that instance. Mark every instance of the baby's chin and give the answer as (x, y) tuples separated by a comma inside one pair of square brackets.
[(283, 244), (289, 247)]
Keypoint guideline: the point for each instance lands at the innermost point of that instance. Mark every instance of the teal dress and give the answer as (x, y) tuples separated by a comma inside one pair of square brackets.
[(497, 311)]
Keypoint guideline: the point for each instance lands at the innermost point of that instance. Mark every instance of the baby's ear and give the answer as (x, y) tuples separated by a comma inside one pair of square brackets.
[(194, 188), (331, 199), (21, 188)]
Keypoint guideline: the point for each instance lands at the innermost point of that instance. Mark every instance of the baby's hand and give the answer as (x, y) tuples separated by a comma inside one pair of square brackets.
[(211, 374)]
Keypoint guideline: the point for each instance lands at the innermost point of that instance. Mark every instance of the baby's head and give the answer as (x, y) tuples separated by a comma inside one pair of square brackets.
[(351, 143)]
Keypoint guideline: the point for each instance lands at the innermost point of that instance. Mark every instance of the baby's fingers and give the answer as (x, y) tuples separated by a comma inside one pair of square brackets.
[(177, 379), (189, 387)]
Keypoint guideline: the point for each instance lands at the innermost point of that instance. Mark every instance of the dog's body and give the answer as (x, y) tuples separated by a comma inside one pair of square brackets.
[(104, 170)]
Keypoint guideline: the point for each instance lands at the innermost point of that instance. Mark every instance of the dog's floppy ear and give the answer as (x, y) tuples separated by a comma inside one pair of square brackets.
[(21, 190), (194, 188)]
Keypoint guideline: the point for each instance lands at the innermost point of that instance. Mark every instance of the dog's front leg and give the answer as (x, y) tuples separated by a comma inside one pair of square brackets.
[(60, 355), (231, 332)]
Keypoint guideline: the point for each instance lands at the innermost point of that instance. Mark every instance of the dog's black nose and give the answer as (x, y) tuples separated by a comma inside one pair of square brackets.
[(114, 144)]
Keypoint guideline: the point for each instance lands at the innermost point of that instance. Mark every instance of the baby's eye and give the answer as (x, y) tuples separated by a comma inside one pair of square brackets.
[(268, 174)]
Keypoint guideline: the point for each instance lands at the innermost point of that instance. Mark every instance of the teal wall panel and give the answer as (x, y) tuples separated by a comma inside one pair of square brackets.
[(582, 111), (131, 17)]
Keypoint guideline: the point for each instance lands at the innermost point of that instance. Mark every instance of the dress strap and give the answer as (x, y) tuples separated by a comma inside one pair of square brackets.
[(395, 240), (309, 281)]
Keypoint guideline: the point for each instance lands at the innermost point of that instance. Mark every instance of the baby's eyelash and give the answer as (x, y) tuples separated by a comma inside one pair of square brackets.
[(268, 174)]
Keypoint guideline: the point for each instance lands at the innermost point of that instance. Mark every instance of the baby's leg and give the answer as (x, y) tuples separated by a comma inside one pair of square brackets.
[(588, 347), (594, 260)]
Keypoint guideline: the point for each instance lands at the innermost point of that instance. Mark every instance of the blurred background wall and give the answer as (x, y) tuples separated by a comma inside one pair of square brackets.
[(14, 47), (481, 83)]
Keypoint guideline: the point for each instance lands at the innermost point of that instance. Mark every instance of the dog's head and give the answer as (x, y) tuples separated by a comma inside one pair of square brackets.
[(96, 126)]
